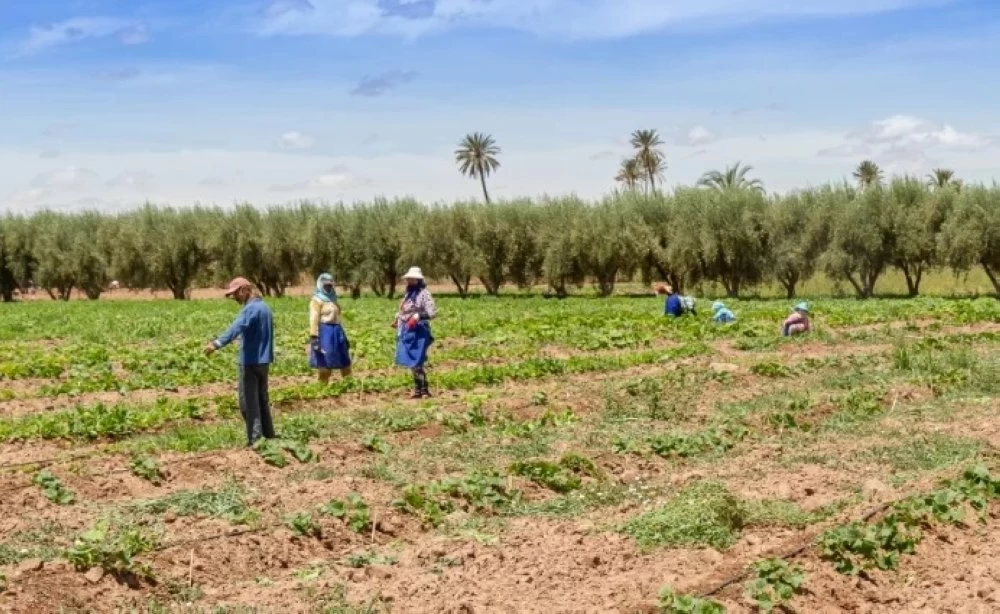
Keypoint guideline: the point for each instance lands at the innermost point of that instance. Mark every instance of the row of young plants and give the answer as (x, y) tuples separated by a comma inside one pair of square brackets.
[(860, 546)]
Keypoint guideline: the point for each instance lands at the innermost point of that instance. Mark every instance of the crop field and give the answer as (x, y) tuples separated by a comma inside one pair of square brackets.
[(578, 455)]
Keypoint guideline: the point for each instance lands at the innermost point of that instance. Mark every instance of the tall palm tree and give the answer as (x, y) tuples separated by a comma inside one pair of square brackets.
[(942, 178), (651, 159), (734, 177), (868, 174), (477, 157), (630, 173)]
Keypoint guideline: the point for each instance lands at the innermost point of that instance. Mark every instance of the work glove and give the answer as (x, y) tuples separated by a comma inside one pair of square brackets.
[(314, 344)]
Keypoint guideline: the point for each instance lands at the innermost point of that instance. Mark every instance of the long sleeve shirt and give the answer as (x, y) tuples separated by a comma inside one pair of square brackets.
[(422, 305), (322, 312), (254, 325), (795, 323)]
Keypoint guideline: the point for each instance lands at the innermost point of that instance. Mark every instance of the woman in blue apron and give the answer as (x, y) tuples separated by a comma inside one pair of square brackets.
[(329, 348), (413, 330)]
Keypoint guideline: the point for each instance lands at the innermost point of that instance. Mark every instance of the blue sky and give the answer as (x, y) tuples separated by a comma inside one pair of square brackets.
[(107, 103)]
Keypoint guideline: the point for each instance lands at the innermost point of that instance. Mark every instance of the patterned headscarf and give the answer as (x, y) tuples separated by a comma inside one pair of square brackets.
[(321, 294)]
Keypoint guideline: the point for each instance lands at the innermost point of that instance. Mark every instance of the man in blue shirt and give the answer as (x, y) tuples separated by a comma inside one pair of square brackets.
[(255, 327)]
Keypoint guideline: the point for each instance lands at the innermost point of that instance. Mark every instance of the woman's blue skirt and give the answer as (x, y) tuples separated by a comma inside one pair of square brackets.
[(334, 348), (412, 345)]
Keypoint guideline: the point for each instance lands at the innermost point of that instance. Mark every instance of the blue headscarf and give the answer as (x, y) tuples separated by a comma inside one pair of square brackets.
[(321, 294)]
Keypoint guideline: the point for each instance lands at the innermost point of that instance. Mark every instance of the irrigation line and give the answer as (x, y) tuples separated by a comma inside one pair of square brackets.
[(797, 551), (810, 542)]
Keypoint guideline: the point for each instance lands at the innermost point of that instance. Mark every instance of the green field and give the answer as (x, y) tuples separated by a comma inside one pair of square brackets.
[(564, 436)]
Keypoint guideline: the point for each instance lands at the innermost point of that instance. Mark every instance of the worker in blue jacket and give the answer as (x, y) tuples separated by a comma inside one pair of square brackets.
[(254, 326)]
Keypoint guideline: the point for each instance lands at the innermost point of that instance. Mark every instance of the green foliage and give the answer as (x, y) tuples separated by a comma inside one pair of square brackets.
[(113, 547), (271, 452), (481, 492), (302, 524), (858, 546), (146, 468), (702, 514), (231, 502), (774, 583), (686, 445), (673, 603), (354, 511), (374, 443), (53, 489)]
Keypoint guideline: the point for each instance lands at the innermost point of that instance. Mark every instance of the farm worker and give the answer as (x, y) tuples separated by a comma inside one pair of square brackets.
[(674, 307), (254, 326), (413, 330), (798, 322), (721, 314), (329, 348)]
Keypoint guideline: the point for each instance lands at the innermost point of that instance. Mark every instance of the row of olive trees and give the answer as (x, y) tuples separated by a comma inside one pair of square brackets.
[(735, 236)]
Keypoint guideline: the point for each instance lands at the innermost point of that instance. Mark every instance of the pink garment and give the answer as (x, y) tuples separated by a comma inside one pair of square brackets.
[(796, 323)]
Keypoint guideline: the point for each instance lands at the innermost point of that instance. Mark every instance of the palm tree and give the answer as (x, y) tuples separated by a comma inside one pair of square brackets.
[(646, 144), (734, 177), (630, 173), (476, 157), (942, 178), (868, 174)]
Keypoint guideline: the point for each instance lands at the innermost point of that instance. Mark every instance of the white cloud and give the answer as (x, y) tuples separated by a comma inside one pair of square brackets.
[(295, 140), (49, 154), (131, 180), (80, 29), (69, 177), (698, 135), (907, 130), (567, 19), (27, 199)]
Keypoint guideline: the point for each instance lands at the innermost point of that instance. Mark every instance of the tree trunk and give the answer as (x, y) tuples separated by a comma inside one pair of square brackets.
[(912, 278), (356, 291), (178, 290), (732, 288), (857, 286), (994, 278), (93, 293), (463, 287), (65, 293), (492, 289), (482, 180), (52, 295), (7, 294), (789, 282)]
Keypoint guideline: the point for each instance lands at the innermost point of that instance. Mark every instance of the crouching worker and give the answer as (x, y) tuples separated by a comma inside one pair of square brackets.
[(676, 305), (798, 322), (721, 314)]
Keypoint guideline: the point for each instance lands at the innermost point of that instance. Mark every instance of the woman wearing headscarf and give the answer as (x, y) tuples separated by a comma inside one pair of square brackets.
[(798, 322), (329, 348), (722, 314), (413, 330)]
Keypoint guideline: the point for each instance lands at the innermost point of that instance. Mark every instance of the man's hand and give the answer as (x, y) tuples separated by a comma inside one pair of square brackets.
[(209, 348)]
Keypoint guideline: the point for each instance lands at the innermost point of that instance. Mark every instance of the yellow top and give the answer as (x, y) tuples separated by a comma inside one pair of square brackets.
[(321, 312)]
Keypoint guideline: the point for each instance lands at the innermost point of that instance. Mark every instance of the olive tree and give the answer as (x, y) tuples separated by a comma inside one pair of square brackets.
[(971, 236)]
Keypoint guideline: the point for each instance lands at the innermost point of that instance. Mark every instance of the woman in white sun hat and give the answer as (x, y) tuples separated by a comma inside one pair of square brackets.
[(413, 330)]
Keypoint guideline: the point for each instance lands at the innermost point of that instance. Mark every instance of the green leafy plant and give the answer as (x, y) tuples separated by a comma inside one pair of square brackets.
[(367, 559), (303, 525), (774, 583), (674, 603), (271, 452), (550, 475), (771, 369), (146, 468), (53, 489), (300, 451), (111, 547), (354, 511), (374, 443)]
